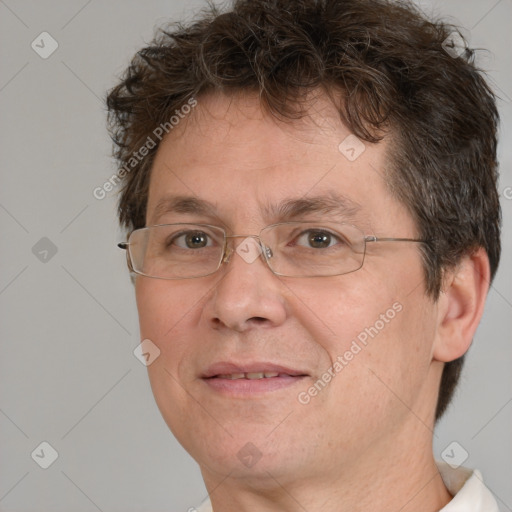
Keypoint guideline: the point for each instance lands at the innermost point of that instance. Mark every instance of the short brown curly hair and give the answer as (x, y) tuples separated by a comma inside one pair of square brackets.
[(390, 64)]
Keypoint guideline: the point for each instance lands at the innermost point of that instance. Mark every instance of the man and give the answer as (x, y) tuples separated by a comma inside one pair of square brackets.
[(310, 191)]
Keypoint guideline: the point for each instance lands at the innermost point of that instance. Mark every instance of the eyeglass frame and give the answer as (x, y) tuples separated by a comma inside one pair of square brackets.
[(228, 251)]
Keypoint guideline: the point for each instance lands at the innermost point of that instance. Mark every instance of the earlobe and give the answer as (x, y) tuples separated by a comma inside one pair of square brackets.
[(460, 306)]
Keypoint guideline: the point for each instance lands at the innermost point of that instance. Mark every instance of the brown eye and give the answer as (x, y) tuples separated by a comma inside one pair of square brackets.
[(191, 240), (198, 239), (319, 240)]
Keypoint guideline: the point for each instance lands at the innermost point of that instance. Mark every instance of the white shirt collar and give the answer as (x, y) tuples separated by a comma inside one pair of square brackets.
[(468, 490), (466, 486)]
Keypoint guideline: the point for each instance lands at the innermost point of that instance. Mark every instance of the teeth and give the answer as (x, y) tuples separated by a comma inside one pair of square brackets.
[(258, 375), (233, 376), (250, 376)]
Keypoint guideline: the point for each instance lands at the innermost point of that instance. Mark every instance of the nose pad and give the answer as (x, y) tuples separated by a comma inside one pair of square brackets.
[(227, 255)]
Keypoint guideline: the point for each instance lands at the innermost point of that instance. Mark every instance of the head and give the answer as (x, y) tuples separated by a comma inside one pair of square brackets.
[(262, 97)]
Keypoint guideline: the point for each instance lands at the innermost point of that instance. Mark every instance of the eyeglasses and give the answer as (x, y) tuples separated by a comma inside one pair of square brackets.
[(290, 249)]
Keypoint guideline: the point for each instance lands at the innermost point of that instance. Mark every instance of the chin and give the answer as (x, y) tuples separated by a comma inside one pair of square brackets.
[(245, 457)]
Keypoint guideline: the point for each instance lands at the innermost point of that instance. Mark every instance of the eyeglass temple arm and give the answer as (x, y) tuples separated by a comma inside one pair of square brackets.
[(123, 245), (371, 238)]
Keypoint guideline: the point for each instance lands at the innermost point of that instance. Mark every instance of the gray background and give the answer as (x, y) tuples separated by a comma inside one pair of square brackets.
[(69, 325)]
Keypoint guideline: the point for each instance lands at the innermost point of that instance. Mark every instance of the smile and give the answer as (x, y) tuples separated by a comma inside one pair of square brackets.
[(250, 376), (250, 379)]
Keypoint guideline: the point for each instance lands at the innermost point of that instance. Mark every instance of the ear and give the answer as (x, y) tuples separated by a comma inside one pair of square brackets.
[(460, 306)]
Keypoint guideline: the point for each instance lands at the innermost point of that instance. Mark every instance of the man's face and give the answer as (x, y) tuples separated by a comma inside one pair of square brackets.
[(244, 317)]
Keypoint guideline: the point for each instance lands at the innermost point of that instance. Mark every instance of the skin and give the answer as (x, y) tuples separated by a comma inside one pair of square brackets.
[(365, 440)]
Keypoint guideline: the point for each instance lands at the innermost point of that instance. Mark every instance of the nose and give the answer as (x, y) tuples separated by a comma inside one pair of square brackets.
[(247, 294)]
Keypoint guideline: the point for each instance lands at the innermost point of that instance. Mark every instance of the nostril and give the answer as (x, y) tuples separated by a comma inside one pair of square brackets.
[(258, 319)]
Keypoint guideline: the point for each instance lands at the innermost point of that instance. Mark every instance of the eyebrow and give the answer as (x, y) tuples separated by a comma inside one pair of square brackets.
[(331, 204), (327, 204), (183, 205)]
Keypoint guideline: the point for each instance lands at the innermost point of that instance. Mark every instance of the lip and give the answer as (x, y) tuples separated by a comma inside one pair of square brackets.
[(215, 378)]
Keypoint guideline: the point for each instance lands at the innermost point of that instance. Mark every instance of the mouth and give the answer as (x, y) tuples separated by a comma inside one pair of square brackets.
[(250, 375), (250, 379)]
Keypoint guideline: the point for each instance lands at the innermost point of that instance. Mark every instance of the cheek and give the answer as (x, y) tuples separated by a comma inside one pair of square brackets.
[(379, 337), (340, 311), (392, 368), (167, 312), (163, 306)]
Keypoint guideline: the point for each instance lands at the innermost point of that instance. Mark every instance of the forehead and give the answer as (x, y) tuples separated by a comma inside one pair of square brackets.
[(232, 160)]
